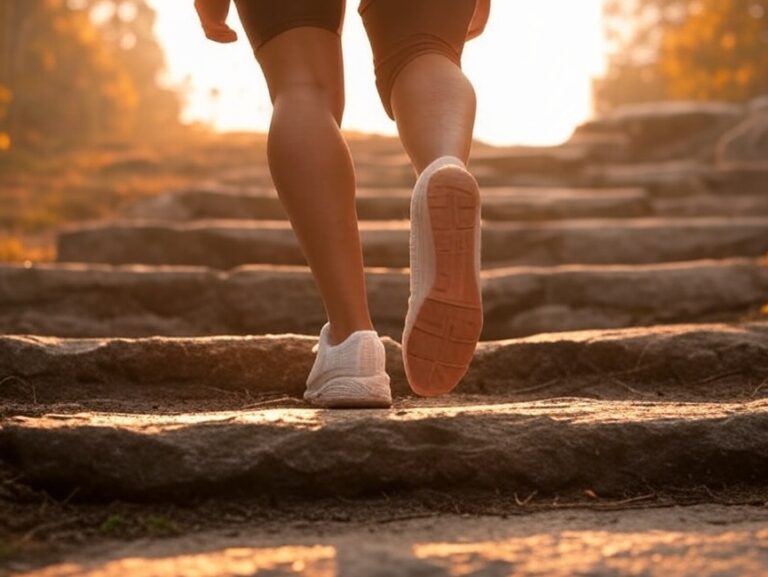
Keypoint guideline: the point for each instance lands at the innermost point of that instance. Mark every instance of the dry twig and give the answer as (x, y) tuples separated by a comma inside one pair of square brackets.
[(525, 501), (29, 386), (714, 378), (759, 387), (535, 388)]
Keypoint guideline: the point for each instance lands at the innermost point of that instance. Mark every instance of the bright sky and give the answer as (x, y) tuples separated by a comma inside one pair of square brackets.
[(532, 70)]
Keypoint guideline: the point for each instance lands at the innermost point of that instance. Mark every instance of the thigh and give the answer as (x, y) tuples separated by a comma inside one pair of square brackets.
[(305, 63), (401, 30), (298, 45), (266, 19)]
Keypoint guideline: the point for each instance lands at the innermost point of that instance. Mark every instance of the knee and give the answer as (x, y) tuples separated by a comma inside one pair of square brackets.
[(316, 95)]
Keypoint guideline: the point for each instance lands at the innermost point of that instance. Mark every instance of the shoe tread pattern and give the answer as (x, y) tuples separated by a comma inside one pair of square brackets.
[(449, 322)]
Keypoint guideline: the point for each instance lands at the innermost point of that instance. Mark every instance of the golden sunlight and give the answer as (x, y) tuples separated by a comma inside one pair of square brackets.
[(317, 561), (532, 69)]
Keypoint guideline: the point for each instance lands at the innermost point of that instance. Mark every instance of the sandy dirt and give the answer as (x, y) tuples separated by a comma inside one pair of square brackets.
[(698, 541)]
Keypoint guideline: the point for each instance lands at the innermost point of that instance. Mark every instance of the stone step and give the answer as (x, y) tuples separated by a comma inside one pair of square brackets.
[(524, 204), (377, 171), (226, 244), (662, 179), (712, 362), (558, 166), (104, 301), (491, 167), (712, 205), (560, 446), (499, 204)]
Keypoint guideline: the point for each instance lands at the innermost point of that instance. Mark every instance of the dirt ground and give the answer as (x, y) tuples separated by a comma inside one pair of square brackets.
[(425, 534), (37, 530)]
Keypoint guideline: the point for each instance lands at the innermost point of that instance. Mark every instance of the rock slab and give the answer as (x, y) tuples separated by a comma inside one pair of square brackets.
[(556, 446), (746, 145), (134, 301), (498, 204), (227, 244), (694, 362)]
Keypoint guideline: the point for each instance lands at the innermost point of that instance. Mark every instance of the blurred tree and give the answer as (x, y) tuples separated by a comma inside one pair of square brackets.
[(70, 75), (128, 26), (719, 52), (684, 49)]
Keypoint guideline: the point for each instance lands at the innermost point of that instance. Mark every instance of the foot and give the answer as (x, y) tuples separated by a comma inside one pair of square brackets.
[(350, 374), (445, 316)]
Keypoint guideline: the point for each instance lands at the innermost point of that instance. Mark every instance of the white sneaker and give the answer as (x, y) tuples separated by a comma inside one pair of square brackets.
[(445, 312), (350, 374)]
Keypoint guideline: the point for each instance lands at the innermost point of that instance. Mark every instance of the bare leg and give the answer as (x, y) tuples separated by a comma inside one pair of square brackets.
[(312, 168), (434, 107)]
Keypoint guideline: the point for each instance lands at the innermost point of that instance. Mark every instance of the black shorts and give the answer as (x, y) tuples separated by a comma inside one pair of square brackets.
[(398, 30)]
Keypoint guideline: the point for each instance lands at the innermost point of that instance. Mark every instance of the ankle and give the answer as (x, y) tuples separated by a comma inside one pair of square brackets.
[(440, 162), (339, 334)]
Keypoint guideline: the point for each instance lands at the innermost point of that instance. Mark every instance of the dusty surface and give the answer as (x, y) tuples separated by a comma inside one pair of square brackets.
[(694, 362), (696, 541), (558, 445), (130, 301), (226, 244)]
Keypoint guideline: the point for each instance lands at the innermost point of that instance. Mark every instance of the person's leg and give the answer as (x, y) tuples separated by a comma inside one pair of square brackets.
[(417, 46), (434, 107), (312, 168)]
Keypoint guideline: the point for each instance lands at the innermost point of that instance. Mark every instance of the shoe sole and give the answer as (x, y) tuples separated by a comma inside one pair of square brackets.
[(440, 337), (346, 393)]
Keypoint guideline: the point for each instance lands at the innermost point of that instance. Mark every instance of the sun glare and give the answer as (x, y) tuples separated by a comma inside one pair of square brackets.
[(532, 69)]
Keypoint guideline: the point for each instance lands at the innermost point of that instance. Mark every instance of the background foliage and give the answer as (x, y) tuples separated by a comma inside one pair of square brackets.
[(75, 71), (684, 49)]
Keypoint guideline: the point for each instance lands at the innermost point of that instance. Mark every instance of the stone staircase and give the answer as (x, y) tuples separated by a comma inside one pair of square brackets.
[(624, 354)]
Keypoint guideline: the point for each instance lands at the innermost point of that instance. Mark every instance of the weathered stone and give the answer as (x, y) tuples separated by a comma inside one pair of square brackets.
[(530, 301), (722, 204), (104, 301), (93, 301), (671, 178), (664, 130), (739, 181), (221, 244), (537, 204), (210, 202), (376, 170), (689, 362), (498, 204), (60, 370), (561, 161), (252, 175), (605, 143), (746, 145), (556, 446), (227, 244)]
